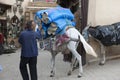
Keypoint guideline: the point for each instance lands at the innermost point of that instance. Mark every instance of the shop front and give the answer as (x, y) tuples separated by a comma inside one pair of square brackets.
[(3, 17), (4, 23)]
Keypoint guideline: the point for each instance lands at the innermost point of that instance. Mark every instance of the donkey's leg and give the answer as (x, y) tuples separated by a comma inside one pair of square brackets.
[(75, 63), (71, 65), (53, 54), (102, 54), (72, 48)]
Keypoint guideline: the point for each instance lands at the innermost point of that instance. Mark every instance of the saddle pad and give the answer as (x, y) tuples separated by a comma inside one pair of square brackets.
[(62, 39)]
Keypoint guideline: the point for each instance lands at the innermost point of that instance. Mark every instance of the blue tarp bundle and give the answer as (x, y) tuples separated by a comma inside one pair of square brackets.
[(61, 16)]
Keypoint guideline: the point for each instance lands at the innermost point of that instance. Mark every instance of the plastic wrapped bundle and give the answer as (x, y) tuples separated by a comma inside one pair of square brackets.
[(107, 34)]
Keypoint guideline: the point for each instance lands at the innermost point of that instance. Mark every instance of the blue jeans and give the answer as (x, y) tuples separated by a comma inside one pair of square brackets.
[(32, 62)]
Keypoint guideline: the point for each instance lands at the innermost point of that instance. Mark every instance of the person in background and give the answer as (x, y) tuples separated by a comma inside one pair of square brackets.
[(1, 43), (29, 51)]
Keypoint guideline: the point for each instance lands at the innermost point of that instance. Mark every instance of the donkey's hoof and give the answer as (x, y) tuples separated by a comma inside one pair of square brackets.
[(51, 75), (75, 68), (101, 64), (69, 73), (79, 76)]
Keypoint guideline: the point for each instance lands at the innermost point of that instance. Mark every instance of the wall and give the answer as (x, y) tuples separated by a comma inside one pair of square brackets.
[(91, 12), (11, 2), (107, 11), (102, 12)]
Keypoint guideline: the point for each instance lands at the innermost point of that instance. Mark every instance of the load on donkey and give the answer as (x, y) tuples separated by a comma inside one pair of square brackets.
[(59, 33)]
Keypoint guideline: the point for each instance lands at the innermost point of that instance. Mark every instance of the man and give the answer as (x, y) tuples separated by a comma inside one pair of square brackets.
[(29, 51)]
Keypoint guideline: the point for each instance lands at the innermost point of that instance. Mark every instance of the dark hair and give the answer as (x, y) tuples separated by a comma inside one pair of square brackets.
[(29, 24)]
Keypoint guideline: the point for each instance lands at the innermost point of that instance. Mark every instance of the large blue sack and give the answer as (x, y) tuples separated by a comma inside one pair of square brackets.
[(62, 17)]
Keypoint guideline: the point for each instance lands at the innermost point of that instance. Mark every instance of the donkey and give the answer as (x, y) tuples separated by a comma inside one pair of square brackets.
[(105, 35), (58, 28), (86, 34)]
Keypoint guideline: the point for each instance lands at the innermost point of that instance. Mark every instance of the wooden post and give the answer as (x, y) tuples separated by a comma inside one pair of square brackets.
[(84, 14)]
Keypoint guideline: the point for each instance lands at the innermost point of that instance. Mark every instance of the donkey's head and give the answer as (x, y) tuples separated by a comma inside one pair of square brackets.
[(90, 31)]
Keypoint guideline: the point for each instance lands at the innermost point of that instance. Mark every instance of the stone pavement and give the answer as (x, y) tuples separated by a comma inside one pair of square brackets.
[(10, 65)]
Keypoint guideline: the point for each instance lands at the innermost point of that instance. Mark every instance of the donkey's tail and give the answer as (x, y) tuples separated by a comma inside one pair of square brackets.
[(87, 47)]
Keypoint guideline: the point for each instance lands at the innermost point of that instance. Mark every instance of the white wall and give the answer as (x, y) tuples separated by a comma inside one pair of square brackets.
[(103, 12), (91, 12)]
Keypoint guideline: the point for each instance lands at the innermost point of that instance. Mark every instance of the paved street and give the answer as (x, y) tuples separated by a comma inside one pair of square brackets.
[(10, 65)]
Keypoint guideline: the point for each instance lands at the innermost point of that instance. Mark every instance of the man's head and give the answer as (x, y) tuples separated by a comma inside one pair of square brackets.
[(30, 25)]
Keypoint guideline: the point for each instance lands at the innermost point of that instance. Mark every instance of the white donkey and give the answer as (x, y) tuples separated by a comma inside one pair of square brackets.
[(71, 44), (69, 40)]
